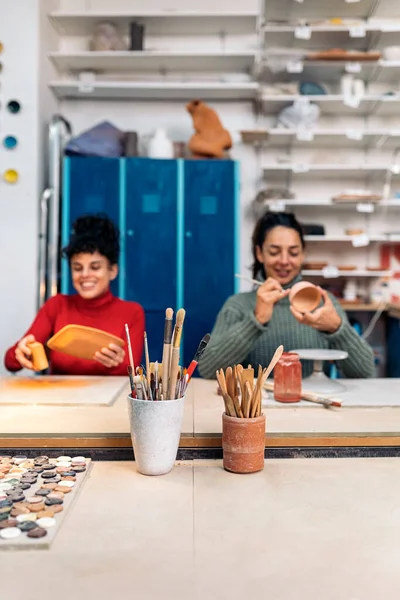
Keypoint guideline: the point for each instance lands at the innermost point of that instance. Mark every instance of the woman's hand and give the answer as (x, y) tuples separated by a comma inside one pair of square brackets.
[(22, 352), (267, 295), (324, 319), (110, 357)]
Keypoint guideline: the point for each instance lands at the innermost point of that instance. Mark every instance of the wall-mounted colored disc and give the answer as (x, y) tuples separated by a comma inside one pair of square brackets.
[(11, 176), (14, 106), (10, 142)]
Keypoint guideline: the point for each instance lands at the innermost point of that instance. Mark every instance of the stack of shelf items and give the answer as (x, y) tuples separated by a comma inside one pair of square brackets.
[(346, 158), (209, 53)]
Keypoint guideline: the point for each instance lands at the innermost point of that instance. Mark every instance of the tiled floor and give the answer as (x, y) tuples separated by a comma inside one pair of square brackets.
[(316, 529)]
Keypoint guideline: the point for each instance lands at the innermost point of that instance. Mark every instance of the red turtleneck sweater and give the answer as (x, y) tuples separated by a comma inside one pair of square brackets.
[(106, 312)]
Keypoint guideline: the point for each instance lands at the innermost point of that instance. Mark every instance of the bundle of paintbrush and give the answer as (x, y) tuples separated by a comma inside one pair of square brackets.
[(241, 391), (166, 380)]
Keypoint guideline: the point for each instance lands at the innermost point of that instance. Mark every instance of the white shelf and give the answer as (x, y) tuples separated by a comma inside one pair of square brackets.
[(360, 273), (332, 70), (154, 90), (331, 104), (341, 238), (339, 137), (336, 205), (158, 61), (158, 22), (305, 168), (369, 28)]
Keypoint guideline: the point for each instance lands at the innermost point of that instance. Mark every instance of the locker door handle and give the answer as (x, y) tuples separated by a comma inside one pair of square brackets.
[(130, 232), (188, 234)]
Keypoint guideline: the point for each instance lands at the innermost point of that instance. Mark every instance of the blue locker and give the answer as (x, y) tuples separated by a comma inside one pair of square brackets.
[(151, 242), (211, 244), (91, 185)]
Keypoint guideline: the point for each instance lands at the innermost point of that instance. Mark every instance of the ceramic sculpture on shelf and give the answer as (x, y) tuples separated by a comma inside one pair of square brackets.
[(106, 38), (160, 146), (210, 139)]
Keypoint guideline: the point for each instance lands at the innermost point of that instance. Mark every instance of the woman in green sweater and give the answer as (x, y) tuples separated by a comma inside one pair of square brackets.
[(251, 325)]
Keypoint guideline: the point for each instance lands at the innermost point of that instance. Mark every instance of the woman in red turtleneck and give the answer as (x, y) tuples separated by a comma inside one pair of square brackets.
[(93, 256)]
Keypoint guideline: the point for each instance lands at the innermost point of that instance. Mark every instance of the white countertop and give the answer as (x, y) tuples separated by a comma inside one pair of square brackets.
[(301, 529)]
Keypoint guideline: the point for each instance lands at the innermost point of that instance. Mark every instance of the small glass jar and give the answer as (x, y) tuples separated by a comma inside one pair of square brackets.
[(287, 378)]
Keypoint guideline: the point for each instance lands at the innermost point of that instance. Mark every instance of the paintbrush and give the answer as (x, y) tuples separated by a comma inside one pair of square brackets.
[(169, 313), (147, 358), (197, 356), (311, 397), (128, 339), (130, 373), (173, 375)]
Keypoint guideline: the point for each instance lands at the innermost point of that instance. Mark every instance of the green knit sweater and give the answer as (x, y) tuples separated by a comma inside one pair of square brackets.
[(238, 338)]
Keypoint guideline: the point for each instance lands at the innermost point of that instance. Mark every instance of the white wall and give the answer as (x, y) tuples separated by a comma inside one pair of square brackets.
[(19, 33)]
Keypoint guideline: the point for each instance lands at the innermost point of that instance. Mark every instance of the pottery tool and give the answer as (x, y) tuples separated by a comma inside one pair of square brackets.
[(146, 354), (199, 353), (169, 313), (174, 363), (128, 339), (229, 406), (156, 381), (249, 279), (311, 397)]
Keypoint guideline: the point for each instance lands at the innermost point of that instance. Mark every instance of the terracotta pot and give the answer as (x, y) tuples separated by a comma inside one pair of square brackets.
[(304, 296), (243, 444)]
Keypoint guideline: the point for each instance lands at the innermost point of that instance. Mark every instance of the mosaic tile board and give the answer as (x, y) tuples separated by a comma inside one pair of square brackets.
[(35, 496), (61, 390)]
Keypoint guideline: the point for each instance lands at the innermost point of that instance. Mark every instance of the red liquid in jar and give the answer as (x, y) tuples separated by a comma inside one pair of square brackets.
[(287, 378)]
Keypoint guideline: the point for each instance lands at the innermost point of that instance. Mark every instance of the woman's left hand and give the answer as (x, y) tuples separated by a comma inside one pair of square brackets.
[(111, 356), (324, 319)]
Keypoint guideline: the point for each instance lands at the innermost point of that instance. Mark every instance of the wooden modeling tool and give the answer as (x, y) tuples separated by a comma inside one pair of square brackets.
[(169, 313), (132, 384), (173, 374)]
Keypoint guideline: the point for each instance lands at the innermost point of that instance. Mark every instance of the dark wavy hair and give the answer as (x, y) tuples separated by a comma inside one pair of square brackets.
[(268, 221), (94, 233)]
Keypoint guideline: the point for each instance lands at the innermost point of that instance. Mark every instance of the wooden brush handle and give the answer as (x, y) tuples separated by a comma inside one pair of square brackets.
[(173, 375), (165, 367), (39, 358)]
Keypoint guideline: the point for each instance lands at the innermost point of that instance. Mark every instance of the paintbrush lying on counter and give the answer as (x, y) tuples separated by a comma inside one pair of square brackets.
[(238, 378), (168, 380), (311, 397)]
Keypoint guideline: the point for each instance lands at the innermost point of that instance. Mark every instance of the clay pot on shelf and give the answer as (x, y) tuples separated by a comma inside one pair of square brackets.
[(304, 296)]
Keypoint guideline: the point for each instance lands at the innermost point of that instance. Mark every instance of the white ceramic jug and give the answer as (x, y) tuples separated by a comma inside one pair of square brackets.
[(160, 146)]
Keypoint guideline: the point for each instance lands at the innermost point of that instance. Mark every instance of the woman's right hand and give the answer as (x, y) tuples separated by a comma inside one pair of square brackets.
[(23, 353), (267, 295)]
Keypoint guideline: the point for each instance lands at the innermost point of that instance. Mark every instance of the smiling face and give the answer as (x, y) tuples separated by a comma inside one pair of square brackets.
[(281, 254), (92, 274)]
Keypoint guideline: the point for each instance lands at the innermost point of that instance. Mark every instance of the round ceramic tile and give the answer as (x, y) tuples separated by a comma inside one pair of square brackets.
[(64, 459), (11, 176), (9, 533), (79, 459), (27, 525), (68, 484), (34, 499), (65, 464), (38, 532), (46, 522), (26, 517)]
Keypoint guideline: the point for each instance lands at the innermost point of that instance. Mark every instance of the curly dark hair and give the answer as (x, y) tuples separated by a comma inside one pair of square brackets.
[(268, 221), (94, 233)]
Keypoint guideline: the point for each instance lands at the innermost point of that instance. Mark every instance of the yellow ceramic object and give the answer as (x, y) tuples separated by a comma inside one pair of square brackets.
[(81, 341)]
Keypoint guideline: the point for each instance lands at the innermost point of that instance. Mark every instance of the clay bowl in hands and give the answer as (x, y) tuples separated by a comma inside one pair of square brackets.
[(304, 296)]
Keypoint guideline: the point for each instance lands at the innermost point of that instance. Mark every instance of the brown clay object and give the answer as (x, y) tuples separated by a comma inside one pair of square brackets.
[(46, 513), (39, 358), (63, 489), (36, 507), (210, 139), (48, 486), (304, 296), (243, 443)]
